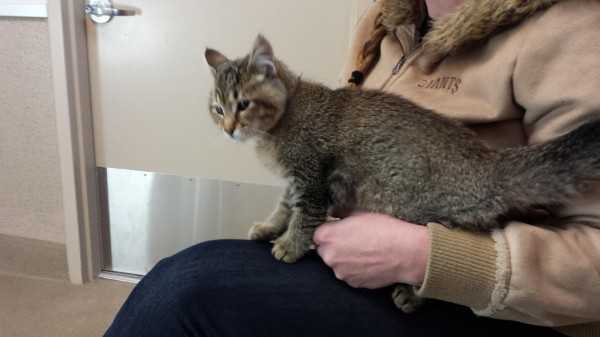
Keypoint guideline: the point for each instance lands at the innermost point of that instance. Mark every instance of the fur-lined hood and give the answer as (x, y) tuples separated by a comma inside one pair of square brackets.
[(473, 21)]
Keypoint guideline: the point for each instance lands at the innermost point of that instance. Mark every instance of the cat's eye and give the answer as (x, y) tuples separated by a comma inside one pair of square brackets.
[(219, 110), (243, 105)]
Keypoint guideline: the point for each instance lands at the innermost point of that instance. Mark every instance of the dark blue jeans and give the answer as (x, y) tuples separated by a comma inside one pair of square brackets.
[(236, 288)]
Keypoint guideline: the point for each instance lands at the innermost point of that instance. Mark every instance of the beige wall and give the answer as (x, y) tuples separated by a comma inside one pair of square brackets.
[(30, 186)]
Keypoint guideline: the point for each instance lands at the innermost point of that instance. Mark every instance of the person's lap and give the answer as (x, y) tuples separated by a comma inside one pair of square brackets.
[(236, 288)]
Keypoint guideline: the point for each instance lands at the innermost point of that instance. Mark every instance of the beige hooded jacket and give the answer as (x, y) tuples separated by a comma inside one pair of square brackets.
[(516, 72)]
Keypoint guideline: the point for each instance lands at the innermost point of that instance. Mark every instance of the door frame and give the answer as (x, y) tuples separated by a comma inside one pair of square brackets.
[(74, 122)]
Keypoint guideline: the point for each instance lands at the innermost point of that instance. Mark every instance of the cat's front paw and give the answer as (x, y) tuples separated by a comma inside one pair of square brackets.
[(405, 298), (263, 232), (289, 250)]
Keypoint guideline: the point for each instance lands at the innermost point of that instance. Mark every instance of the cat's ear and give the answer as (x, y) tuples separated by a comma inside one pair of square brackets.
[(262, 56), (214, 59)]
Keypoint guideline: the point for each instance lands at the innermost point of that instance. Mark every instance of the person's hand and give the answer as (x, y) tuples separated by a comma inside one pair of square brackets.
[(369, 250)]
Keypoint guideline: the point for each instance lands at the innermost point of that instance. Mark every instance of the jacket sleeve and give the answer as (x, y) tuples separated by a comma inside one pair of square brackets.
[(528, 272)]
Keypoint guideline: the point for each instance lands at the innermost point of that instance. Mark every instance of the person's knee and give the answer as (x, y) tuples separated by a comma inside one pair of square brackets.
[(184, 286), (193, 271)]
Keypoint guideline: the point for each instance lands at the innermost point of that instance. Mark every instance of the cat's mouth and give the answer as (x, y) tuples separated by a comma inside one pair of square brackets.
[(237, 135), (244, 133)]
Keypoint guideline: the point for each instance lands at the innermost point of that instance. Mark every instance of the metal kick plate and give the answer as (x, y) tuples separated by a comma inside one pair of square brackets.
[(149, 216)]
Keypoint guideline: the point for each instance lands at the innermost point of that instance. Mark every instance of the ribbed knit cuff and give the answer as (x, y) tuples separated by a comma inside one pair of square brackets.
[(461, 267), (583, 330)]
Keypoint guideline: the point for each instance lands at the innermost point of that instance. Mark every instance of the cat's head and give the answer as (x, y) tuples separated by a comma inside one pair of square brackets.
[(248, 97)]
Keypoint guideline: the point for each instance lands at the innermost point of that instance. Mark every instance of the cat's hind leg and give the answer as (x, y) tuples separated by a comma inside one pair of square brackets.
[(405, 298)]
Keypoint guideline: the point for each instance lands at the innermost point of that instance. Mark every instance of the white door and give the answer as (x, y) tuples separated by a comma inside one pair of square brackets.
[(172, 179)]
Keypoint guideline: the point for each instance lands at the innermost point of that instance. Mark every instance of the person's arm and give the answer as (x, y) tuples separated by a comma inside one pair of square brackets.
[(540, 275), (554, 273)]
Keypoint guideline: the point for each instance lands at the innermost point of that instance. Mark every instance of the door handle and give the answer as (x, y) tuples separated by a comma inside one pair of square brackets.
[(102, 11)]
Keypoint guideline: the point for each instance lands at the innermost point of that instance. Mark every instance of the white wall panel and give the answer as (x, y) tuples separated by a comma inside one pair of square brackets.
[(150, 82)]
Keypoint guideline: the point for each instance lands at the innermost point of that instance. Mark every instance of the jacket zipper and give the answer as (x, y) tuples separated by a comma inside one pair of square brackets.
[(399, 65), (395, 71)]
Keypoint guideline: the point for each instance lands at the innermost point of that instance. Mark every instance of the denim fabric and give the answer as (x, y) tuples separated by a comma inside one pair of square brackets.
[(236, 288)]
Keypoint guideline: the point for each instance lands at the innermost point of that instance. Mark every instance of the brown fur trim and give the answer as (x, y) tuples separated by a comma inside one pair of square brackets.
[(399, 12), (473, 21)]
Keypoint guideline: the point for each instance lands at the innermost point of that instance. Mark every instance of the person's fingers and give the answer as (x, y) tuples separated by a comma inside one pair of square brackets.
[(319, 236), (326, 255), (323, 233)]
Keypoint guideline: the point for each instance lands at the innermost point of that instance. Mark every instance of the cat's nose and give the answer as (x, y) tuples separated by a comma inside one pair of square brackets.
[(229, 126)]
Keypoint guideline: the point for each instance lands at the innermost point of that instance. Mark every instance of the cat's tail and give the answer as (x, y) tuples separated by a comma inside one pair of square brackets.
[(551, 173)]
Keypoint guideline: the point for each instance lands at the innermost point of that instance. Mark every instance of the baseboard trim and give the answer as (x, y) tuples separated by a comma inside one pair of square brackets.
[(33, 258)]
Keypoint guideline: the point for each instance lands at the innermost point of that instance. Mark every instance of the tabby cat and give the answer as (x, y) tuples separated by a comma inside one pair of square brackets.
[(349, 149)]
